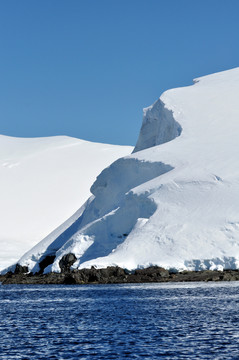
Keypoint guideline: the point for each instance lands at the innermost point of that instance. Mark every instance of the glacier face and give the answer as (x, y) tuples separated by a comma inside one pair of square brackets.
[(174, 201)]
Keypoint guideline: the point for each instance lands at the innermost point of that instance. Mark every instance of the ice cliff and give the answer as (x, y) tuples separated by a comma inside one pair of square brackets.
[(159, 126), (174, 201)]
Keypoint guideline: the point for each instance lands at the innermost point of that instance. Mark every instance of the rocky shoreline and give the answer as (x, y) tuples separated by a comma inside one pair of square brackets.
[(116, 275)]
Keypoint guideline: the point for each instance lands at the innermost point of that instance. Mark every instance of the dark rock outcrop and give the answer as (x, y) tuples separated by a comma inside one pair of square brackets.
[(116, 275), (46, 261), (19, 269), (151, 274), (66, 262)]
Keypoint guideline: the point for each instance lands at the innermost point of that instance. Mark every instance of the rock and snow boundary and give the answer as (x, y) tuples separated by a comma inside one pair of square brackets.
[(174, 201)]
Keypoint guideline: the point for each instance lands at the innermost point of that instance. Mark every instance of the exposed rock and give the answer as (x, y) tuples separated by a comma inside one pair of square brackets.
[(19, 269), (66, 262), (153, 271), (46, 261), (69, 280), (116, 275)]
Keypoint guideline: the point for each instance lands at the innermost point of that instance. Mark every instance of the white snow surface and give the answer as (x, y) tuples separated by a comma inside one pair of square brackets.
[(175, 201), (43, 181)]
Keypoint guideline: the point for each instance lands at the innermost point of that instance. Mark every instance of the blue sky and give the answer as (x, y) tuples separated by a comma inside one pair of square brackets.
[(86, 68)]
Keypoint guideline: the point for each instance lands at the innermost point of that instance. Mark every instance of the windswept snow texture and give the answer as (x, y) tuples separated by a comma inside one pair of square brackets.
[(43, 181), (175, 201)]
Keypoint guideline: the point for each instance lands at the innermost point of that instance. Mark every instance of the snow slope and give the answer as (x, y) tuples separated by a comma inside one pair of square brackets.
[(43, 181), (175, 201)]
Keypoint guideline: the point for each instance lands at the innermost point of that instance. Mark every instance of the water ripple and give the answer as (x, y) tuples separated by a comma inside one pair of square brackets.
[(145, 321)]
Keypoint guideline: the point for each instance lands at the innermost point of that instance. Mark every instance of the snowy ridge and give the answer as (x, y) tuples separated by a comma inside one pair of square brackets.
[(174, 201), (43, 181)]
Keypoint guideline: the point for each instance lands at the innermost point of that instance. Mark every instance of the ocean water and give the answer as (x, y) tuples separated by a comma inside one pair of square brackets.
[(142, 321)]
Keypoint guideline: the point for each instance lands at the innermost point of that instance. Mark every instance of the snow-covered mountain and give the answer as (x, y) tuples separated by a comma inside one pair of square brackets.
[(175, 201), (43, 181)]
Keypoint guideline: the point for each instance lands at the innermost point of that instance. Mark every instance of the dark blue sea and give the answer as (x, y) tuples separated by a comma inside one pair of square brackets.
[(146, 321)]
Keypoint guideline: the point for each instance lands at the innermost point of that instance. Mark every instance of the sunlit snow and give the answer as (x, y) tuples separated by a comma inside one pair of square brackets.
[(43, 181), (175, 201)]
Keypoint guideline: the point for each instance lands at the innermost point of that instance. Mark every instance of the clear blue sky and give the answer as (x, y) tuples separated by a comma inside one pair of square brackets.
[(86, 68)]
